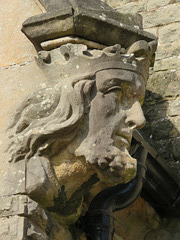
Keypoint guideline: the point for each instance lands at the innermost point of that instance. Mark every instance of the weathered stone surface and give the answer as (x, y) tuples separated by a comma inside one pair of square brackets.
[(22, 218), (41, 185), (75, 19), (117, 3), (162, 128), (169, 230), (13, 205), (174, 108), (171, 63), (18, 49), (163, 84), (153, 31), (176, 148), (15, 87), (157, 18), (154, 4), (169, 33), (176, 123), (55, 128), (168, 50), (12, 228), (129, 222), (134, 6), (11, 96), (22, 205), (14, 184)]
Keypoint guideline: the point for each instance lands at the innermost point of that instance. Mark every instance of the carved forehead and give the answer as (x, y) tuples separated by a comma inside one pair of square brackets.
[(111, 77)]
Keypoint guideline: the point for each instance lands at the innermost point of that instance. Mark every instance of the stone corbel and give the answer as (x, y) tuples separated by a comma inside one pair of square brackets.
[(74, 136)]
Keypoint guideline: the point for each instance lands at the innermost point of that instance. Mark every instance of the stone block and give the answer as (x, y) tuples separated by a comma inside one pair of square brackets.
[(168, 50), (117, 3), (176, 148), (152, 30), (13, 205), (12, 178), (161, 129), (16, 84), (174, 108), (164, 84), (175, 132), (132, 7), (18, 49), (154, 4), (154, 110), (171, 63), (21, 228), (162, 16), (41, 184), (169, 33), (12, 228)]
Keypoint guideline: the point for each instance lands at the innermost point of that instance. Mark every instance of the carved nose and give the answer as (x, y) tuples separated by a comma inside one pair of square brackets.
[(134, 116)]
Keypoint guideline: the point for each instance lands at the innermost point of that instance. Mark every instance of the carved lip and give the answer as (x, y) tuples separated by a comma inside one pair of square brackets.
[(124, 137)]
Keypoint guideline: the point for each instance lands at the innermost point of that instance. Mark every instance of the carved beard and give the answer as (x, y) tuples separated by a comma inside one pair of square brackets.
[(112, 164)]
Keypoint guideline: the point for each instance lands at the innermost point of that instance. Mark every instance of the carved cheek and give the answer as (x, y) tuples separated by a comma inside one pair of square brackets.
[(107, 104)]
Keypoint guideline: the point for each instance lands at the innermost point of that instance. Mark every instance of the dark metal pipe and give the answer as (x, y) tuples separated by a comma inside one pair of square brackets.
[(99, 220)]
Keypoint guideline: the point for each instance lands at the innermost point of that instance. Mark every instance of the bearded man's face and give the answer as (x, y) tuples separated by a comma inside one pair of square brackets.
[(114, 113)]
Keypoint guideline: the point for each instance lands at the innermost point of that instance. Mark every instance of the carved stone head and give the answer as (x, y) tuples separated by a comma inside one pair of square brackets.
[(73, 136), (81, 125)]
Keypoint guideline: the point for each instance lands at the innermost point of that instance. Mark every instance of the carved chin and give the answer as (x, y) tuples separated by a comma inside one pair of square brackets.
[(112, 164)]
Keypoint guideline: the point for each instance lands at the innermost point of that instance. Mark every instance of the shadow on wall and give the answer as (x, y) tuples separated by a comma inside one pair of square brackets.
[(160, 131), (140, 220)]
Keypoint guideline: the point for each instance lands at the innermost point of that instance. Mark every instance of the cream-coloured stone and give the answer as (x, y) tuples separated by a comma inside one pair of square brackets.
[(14, 46), (154, 4), (152, 30), (169, 33), (116, 3), (12, 177), (171, 63), (168, 50), (132, 7), (13, 94), (12, 228), (162, 16), (14, 87), (16, 83)]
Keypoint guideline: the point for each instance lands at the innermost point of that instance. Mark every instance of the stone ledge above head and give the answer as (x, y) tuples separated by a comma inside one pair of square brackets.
[(90, 21)]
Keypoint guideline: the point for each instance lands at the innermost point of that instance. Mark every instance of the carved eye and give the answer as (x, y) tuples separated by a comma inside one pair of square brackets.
[(113, 89)]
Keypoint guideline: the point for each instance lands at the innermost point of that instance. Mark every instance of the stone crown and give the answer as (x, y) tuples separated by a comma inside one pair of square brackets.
[(77, 60)]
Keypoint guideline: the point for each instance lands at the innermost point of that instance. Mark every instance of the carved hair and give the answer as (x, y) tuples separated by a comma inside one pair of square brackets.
[(52, 114), (49, 115)]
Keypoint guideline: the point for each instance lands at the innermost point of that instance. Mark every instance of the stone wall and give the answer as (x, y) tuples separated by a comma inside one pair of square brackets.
[(162, 103), (161, 108), (20, 76)]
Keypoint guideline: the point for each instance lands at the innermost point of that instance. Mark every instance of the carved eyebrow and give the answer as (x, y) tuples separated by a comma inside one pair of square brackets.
[(112, 88)]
